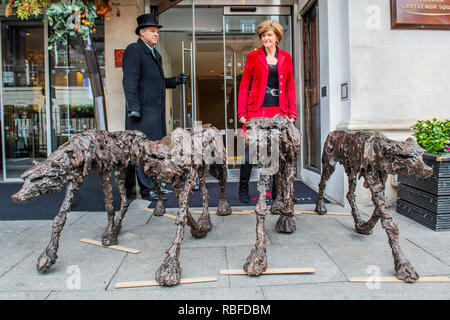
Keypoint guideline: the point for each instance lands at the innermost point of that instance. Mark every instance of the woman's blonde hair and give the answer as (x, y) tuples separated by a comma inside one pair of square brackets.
[(273, 25)]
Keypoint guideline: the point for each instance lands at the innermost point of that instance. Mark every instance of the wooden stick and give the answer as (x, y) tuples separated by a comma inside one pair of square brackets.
[(136, 284), (436, 279), (149, 210), (170, 216), (234, 212), (329, 213), (271, 271), (120, 248)]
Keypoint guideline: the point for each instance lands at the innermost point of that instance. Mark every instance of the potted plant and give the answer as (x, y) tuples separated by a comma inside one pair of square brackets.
[(427, 200)]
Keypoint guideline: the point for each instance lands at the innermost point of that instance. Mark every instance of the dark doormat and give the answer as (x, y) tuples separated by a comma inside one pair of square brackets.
[(305, 194), (90, 197)]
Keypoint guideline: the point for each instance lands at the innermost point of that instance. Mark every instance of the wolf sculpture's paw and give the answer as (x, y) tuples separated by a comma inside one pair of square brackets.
[(223, 209), (169, 273), (204, 225), (320, 207), (285, 224), (45, 261), (406, 272), (256, 262)]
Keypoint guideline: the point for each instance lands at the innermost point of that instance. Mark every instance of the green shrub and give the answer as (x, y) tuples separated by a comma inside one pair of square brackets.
[(433, 135)]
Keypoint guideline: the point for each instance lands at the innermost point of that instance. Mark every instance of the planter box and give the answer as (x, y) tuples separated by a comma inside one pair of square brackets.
[(433, 185), (427, 200), (424, 217), (437, 204)]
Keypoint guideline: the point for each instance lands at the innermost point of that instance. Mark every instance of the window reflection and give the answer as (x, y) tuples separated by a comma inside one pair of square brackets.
[(71, 96), (23, 95)]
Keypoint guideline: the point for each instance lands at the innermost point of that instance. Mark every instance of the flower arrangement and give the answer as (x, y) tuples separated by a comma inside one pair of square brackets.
[(433, 135), (65, 17)]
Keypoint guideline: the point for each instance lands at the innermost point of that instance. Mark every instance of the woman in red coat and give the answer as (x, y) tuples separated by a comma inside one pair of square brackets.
[(267, 88)]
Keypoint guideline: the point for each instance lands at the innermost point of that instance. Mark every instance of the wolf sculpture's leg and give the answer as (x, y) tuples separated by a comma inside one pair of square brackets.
[(159, 208), (360, 226), (277, 205), (200, 228), (257, 260), (286, 223), (403, 267), (169, 273), (328, 166), (49, 256), (124, 203), (219, 171), (108, 236)]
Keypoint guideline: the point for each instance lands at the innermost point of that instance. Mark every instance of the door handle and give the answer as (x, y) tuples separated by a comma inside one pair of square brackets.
[(235, 93), (183, 69), (184, 85)]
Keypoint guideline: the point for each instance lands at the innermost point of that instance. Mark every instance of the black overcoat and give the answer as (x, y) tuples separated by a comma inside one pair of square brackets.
[(145, 86)]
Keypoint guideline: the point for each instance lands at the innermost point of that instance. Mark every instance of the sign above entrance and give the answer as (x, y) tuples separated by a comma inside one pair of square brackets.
[(420, 14)]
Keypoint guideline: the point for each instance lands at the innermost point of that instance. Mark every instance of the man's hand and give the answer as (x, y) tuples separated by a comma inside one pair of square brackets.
[(182, 78), (134, 115)]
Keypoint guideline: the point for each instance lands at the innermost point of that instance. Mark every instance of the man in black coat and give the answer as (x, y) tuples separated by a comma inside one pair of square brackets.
[(145, 86)]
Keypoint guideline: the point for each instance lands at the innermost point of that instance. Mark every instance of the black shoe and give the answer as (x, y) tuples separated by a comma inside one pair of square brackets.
[(131, 197), (151, 196), (164, 190), (244, 197)]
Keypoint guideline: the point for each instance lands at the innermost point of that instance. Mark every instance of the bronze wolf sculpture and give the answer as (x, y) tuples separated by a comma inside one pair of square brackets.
[(279, 139), (373, 156), (177, 159), (103, 153)]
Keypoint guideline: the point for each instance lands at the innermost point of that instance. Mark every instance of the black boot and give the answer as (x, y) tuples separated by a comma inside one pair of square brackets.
[(243, 193), (244, 178)]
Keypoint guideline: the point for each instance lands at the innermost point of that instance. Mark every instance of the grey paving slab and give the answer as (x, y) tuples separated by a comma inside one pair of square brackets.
[(181, 292), (24, 295), (9, 234), (93, 266), (195, 262), (315, 229), (327, 243), (286, 256), (160, 231), (437, 246), (32, 241), (358, 291), (362, 259)]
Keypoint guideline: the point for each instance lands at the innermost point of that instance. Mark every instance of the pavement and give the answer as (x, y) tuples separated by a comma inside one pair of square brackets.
[(327, 243)]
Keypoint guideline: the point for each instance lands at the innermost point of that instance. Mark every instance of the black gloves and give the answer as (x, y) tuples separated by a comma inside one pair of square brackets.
[(182, 78), (134, 115)]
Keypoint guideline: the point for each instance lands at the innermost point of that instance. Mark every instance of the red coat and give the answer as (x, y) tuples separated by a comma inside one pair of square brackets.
[(254, 81)]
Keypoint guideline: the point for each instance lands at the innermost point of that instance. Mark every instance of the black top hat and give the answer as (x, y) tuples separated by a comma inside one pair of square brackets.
[(147, 20)]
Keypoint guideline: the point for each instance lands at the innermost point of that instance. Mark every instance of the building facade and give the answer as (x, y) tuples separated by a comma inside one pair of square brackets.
[(352, 70)]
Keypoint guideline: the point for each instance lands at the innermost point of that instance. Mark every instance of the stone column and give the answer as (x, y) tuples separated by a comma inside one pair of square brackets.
[(119, 32)]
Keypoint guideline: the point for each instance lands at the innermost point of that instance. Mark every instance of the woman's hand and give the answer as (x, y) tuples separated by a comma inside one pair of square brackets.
[(292, 120), (243, 120)]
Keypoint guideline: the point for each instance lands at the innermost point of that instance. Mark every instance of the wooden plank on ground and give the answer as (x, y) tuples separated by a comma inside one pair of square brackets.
[(328, 213), (271, 271), (136, 284), (120, 248), (148, 209), (240, 212), (435, 279)]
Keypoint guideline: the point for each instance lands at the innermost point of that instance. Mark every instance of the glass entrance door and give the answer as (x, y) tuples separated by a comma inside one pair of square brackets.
[(239, 40), (211, 44), (24, 129)]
